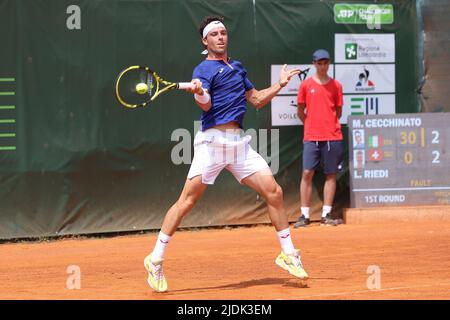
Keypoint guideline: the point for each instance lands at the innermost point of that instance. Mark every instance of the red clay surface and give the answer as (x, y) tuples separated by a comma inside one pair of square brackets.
[(414, 260)]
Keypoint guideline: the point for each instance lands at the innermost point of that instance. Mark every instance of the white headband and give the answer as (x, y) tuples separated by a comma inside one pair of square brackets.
[(212, 25)]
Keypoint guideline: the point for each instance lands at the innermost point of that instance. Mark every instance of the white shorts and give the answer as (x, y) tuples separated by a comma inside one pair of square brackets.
[(215, 150)]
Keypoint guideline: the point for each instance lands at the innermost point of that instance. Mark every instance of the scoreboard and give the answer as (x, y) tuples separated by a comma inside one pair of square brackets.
[(399, 160)]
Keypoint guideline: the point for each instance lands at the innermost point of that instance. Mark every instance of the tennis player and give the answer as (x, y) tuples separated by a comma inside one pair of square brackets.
[(221, 91)]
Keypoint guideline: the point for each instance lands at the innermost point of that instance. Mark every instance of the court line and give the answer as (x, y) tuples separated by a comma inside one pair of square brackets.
[(368, 291)]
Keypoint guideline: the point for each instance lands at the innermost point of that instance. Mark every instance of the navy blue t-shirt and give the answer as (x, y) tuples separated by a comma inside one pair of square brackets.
[(227, 84)]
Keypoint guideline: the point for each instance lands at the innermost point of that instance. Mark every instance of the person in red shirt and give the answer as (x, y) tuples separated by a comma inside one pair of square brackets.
[(320, 103)]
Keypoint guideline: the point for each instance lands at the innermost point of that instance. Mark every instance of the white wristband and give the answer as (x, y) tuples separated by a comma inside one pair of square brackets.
[(203, 99)]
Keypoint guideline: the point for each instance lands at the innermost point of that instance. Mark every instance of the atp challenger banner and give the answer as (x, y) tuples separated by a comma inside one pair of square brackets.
[(74, 161)]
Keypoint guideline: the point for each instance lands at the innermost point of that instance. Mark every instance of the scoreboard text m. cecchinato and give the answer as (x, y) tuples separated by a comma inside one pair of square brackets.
[(399, 160)]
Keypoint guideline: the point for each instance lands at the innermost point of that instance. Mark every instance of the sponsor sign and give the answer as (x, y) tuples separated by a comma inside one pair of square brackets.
[(358, 105), (370, 14), (366, 78), (362, 47)]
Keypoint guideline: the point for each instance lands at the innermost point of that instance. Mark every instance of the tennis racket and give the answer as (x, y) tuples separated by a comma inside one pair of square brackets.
[(137, 86)]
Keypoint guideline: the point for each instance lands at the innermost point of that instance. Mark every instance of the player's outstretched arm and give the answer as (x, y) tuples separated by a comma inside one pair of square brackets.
[(202, 97), (259, 98)]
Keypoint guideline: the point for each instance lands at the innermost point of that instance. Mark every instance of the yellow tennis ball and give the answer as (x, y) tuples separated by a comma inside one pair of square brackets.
[(141, 88)]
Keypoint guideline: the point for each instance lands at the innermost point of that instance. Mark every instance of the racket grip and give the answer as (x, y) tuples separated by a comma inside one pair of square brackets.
[(185, 85)]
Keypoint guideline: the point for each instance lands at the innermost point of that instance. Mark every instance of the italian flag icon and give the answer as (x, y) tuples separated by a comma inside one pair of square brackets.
[(375, 141)]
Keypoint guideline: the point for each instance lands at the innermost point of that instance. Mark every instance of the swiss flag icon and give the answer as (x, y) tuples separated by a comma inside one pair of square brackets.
[(375, 154)]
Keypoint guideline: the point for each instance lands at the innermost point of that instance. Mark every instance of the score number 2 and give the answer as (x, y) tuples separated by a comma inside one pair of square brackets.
[(435, 140)]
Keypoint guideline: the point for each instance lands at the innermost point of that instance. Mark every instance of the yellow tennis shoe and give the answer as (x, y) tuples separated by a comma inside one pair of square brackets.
[(292, 263), (156, 278)]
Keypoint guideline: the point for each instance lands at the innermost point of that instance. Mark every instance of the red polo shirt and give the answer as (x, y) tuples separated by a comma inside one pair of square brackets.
[(321, 101)]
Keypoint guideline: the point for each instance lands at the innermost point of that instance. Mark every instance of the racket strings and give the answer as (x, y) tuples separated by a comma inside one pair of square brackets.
[(131, 93), (127, 87), (150, 85)]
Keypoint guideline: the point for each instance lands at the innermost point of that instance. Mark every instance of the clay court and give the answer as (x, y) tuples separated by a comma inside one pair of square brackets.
[(238, 263)]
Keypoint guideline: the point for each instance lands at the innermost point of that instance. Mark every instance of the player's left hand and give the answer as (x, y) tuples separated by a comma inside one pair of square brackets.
[(286, 75)]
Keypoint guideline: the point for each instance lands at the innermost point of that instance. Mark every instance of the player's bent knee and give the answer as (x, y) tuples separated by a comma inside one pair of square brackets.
[(186, 205), (190, 203), (275, 194), (279, 193)]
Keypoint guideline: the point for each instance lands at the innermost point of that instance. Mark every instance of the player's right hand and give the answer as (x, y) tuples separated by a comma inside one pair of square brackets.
[(198, 89)]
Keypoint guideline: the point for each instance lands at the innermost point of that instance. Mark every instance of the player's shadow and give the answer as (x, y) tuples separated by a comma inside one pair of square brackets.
[(285, 282)]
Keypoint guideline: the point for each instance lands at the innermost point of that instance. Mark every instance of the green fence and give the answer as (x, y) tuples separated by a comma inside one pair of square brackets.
[(73, 161)]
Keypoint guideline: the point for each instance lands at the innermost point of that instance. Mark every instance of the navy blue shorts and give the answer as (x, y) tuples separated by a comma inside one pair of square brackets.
[(326, 154)]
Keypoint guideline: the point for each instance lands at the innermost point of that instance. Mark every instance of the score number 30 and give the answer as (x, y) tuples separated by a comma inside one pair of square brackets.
[(411, 138)]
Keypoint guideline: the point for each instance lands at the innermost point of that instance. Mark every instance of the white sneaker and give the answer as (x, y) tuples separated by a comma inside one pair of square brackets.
[(292, 263), (156, 279)]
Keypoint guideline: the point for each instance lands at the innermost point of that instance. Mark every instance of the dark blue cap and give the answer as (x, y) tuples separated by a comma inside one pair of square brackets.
[(321, 54)]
